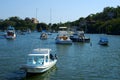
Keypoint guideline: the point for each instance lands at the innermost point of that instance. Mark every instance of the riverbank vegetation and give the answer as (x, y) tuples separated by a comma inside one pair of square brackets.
[(107, 21)]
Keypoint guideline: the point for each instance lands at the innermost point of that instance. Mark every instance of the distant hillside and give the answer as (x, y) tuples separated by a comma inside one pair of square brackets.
[(107, 21)]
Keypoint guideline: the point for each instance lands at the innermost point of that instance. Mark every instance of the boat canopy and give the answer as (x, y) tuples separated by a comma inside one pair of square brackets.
[(40, 52), (104, 39), (62, 27)]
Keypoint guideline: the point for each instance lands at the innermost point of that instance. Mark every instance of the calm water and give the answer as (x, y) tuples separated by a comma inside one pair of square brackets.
[(79, 61)]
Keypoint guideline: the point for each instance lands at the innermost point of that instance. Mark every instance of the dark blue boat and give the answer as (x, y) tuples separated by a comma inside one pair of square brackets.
[(103, 41), (79, 36)]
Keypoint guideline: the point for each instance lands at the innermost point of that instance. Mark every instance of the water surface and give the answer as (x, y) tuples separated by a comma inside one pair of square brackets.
[(79, 61)]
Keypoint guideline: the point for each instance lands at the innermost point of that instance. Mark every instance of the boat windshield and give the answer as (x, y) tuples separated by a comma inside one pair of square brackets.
[(36, 60)]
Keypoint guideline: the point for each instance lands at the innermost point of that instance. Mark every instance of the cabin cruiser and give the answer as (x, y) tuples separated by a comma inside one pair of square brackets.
[(79, 36), (39, 61), (103, 41), (62, 37), (10, 33)]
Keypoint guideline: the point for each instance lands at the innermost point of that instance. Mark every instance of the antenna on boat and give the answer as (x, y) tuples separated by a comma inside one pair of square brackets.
[(50, 15), (50, 25), (36, 19)]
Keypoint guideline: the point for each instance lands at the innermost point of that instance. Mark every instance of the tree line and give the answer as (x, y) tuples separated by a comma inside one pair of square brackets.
[(107, 21), (18, 23)]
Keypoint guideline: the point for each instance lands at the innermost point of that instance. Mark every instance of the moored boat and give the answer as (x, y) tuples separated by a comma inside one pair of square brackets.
[(103, 41), (43, 36), (10, 33), (62, 37), (79, 36)]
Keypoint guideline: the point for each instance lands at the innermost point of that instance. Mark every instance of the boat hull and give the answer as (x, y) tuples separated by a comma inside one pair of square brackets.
[(80, 40), (11, 37), (37, 68), (103, 43), (63, 42)]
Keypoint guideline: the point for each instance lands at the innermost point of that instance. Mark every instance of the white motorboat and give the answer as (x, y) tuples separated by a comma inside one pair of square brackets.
[(43, 36), (39, 61), (11, 33), (62, 37)]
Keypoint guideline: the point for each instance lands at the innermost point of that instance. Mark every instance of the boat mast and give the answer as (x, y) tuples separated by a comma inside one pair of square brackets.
[(50, 24), (50, 15), (36, 12)]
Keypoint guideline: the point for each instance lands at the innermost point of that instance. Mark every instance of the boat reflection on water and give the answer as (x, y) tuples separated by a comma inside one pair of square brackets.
[(21, 75), (41, 76)]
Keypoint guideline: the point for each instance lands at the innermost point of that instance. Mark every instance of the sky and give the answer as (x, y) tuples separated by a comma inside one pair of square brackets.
[(53, 11)]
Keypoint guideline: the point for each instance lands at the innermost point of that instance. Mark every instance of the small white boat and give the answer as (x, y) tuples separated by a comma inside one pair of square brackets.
[(10, 33), (43, 36), (103, 41), (63, 38), (39, 61)]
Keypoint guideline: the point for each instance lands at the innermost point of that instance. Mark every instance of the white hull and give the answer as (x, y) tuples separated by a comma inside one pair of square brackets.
[(63, 38), (43, 36), (39, 61), (11, 37), (10, 33), (63, 42), (39, 69)]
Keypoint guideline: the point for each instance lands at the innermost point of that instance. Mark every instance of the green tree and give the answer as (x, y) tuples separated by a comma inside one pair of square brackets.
[(41, 26)]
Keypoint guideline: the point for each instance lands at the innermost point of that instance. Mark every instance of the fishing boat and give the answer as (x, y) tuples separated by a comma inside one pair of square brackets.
[(103, 41), (10, 33), (39, 61), (79, 36), (62, 37)]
